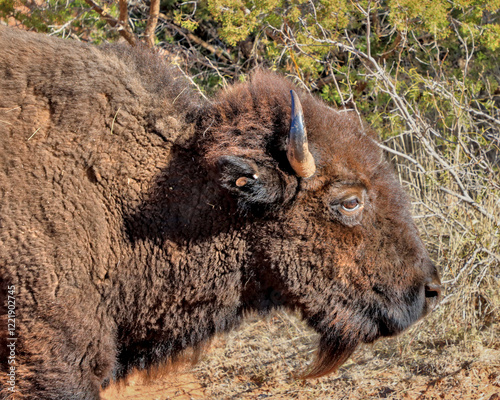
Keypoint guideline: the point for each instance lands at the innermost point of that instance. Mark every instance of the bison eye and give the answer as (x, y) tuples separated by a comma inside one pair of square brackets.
[(346, 205), (350, 205)]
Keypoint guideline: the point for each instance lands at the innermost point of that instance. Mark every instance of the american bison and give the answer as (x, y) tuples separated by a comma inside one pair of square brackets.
[(138, 219)]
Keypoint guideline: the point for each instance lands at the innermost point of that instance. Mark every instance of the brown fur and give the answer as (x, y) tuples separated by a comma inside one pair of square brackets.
[(128, 240)]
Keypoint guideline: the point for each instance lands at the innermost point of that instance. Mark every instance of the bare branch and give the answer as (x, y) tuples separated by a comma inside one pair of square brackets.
[(470, 201), (127, 35), (123, 12), (149, 33), (399, 154), (190, 79)]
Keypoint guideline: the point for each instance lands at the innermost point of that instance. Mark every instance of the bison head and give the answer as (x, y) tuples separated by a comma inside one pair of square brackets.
[(329, 225)]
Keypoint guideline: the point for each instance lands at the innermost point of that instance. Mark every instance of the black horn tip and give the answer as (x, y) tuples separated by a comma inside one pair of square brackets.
[(296, 106)]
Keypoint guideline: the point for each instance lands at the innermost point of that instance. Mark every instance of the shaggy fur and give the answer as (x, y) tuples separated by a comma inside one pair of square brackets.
[(128, 240)]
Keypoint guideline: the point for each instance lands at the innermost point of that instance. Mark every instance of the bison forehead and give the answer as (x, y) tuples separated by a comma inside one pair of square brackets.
[(341, 143)]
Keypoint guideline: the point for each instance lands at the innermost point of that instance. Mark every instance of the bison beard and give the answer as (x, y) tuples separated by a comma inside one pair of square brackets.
[(138, 220), (335, 348)]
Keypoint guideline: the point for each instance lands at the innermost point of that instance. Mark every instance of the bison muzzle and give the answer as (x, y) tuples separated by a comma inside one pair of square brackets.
[(138, 219)]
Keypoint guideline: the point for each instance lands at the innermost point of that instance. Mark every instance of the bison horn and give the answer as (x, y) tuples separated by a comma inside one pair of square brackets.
[(299, 156)]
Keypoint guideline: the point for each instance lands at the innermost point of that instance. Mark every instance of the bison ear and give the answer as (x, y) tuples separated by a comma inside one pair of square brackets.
[(254, 185)]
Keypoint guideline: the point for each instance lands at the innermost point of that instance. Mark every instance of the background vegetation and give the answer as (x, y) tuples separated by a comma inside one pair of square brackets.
[(425, 74)]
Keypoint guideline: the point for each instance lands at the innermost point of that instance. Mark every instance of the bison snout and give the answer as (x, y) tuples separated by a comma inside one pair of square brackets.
[(432, 290)]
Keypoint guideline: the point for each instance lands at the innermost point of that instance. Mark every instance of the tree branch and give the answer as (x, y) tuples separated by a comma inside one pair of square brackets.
[(149, 32), (123, 12), (127, 35)]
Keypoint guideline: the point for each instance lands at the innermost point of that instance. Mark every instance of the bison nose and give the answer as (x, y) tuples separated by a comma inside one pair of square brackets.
[(433, 285), (433, 290), (432, 296)]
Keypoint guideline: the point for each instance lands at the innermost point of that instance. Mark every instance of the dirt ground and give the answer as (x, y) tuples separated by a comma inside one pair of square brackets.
[(259, 360)]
